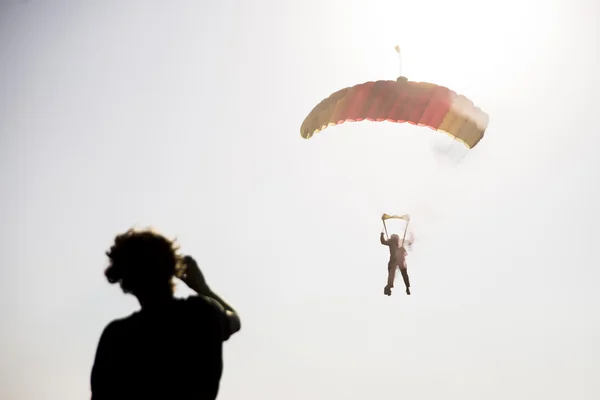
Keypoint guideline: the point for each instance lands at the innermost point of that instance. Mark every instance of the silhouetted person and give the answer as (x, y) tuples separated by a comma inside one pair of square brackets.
[(171, 348), (397, 260)]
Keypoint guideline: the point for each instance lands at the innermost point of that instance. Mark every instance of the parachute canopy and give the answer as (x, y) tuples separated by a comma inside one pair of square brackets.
[(418, 103)]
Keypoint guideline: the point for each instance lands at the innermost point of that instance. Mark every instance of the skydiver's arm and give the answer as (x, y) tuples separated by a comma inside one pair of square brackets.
[(382, 240)]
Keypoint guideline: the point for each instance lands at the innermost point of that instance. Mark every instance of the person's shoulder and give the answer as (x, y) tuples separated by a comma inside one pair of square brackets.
[(202, 305), (201, 302), (118, 325), (113, 330)]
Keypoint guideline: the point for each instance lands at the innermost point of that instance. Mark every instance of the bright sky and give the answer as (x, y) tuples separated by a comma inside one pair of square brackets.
[(186, 115)]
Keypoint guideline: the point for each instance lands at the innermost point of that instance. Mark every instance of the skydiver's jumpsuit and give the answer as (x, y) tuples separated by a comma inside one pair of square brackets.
[(397, 259)]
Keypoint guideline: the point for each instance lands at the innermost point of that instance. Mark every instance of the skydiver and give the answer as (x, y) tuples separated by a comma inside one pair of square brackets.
[(397, 259)]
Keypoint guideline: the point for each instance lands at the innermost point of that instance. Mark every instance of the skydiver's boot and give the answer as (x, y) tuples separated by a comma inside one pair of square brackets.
[(387, 291)]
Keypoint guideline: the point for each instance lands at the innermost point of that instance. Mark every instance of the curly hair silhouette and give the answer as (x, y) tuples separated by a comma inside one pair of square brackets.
[(143, 261)]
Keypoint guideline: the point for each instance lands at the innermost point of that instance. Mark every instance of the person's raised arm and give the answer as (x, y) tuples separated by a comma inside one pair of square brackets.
[(194, 279), (382, 239)]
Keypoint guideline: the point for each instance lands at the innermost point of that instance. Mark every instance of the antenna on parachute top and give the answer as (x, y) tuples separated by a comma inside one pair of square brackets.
[(397, 48)]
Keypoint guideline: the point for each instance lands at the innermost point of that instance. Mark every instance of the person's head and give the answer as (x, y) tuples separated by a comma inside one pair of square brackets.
[(144, 263), (395, 239)]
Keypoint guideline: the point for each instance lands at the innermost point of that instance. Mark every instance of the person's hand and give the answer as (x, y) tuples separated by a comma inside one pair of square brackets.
[(193, 277)]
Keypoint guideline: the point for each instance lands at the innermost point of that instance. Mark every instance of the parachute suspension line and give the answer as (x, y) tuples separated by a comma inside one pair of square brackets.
[(385, 229), (461, 157), (405, 230), (397, 48), (430, 182), (450, 147), (426, 186)]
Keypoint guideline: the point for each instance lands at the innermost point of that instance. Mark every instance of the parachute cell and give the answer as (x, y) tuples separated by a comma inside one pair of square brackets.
[(418, 103)]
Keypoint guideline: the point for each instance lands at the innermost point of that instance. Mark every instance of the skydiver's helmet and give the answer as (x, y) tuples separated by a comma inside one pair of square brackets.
[(396, 239)]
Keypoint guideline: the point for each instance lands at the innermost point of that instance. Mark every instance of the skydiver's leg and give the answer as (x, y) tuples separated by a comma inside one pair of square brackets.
[(390, 281), (391, 273), (404, 273)]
